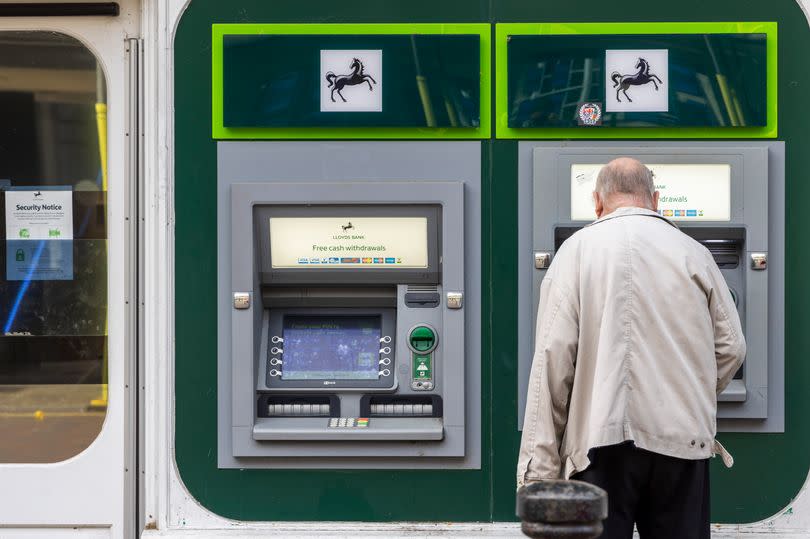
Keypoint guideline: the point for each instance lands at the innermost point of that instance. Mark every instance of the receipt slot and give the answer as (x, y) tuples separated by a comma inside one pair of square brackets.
[(349, 352), (727, 196)]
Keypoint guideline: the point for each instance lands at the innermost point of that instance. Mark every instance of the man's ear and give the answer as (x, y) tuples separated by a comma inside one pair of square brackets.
[(655, 200), (599, 205)]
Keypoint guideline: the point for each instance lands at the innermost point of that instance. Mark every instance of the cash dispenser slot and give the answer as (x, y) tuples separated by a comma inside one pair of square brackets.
[(727, 245), (329, 296), (401, 406), (298, 406), (726, 253), (562, 233)]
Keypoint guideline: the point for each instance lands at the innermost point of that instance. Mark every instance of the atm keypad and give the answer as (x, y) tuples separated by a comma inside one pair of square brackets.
[(348, 423)]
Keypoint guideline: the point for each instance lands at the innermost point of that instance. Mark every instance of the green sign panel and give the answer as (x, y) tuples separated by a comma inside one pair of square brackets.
[(678, 80), (638, 81), (350, 81)]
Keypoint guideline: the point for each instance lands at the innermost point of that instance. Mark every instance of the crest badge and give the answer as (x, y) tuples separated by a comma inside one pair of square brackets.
[(589, 114)]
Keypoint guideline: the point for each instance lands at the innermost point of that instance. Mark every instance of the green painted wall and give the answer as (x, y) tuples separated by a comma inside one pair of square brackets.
[(769, 469)]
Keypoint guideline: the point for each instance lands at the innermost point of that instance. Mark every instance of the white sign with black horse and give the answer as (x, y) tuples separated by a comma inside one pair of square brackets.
[(351, 81), (637, 80)]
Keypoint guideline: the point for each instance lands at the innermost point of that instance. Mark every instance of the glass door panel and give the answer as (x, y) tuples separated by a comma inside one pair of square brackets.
[(53, 265)]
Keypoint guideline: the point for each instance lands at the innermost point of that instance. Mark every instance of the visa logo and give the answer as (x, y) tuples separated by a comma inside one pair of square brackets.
[(691, 213)]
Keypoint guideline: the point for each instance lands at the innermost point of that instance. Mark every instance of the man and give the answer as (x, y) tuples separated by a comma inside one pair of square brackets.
[(637, 333)]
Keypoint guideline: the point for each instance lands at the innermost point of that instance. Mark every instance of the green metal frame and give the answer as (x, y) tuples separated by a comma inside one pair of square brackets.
[(769, 469), (502, 31), (219, 131)]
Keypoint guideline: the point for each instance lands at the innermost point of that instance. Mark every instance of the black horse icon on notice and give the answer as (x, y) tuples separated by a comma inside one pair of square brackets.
[(357, 76), (623, 82), (348, 226)]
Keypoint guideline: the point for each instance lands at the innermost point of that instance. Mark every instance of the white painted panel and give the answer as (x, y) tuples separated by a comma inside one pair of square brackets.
[(55, 533), (86, 495)]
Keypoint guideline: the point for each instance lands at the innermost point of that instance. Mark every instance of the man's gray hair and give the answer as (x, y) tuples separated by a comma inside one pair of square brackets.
[(626, 176)]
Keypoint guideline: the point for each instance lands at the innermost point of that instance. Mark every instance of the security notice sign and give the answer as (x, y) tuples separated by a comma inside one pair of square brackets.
[(356, 242), (39, 214), (39, 233)]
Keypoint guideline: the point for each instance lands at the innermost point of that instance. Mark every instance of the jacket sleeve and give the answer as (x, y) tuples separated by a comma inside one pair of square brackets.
[(729, 342), (550, 382)]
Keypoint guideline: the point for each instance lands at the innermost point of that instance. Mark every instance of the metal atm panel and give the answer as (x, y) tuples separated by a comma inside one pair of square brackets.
[(754, 401), (272, 423)]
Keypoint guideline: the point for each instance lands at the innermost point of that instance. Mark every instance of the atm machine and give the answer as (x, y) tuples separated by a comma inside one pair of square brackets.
[(728, 196), (329, 339), (349, 305)]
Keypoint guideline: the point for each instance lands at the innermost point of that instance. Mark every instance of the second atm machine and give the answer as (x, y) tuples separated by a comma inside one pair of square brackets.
[(727, 196)]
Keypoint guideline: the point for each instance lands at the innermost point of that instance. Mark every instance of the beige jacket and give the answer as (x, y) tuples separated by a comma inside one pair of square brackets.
[(637, 333)]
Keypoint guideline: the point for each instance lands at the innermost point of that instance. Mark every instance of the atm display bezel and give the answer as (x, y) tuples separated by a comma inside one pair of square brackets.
[(387, 328), (348, 275)]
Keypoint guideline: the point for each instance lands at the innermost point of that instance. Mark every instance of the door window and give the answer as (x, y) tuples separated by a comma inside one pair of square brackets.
[(53, 264)]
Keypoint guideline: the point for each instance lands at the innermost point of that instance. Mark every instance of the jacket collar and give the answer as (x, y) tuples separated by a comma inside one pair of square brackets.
[(631, 210)]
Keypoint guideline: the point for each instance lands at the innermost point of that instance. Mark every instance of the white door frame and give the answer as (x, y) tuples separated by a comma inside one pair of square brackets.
[(92, 494)]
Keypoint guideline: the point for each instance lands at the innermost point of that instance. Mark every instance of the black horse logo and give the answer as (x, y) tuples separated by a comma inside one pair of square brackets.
[(347, 226), (623, 82), (338, 82), (37, 194)]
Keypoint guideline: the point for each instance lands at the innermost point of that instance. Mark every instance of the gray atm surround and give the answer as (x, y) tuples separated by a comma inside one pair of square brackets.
[(443, 436), (351, 173), (757, 206)]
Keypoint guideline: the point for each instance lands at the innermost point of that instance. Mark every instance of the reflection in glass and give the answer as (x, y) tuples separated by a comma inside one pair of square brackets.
[(53, 332)]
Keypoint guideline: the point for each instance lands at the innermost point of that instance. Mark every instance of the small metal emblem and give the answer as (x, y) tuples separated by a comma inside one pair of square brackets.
[(542, 259), (589, 114), (759, 261), (455, 300), (241, 300)]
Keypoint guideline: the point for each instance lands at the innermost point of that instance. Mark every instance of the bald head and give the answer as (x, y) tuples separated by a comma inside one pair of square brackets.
[(624, 182)]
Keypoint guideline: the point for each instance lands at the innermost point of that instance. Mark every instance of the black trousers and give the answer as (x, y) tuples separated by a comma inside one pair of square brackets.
[(666, 497)]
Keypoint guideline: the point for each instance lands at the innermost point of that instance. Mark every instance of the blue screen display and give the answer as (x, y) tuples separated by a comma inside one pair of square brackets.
[(331, 348)]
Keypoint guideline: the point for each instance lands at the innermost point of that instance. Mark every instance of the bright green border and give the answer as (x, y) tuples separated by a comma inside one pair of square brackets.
[(503, 130), (219, 131)]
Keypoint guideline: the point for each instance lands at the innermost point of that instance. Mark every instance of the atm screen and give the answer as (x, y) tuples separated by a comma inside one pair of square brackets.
[(688, 192), (331, 347), (359, 243)]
